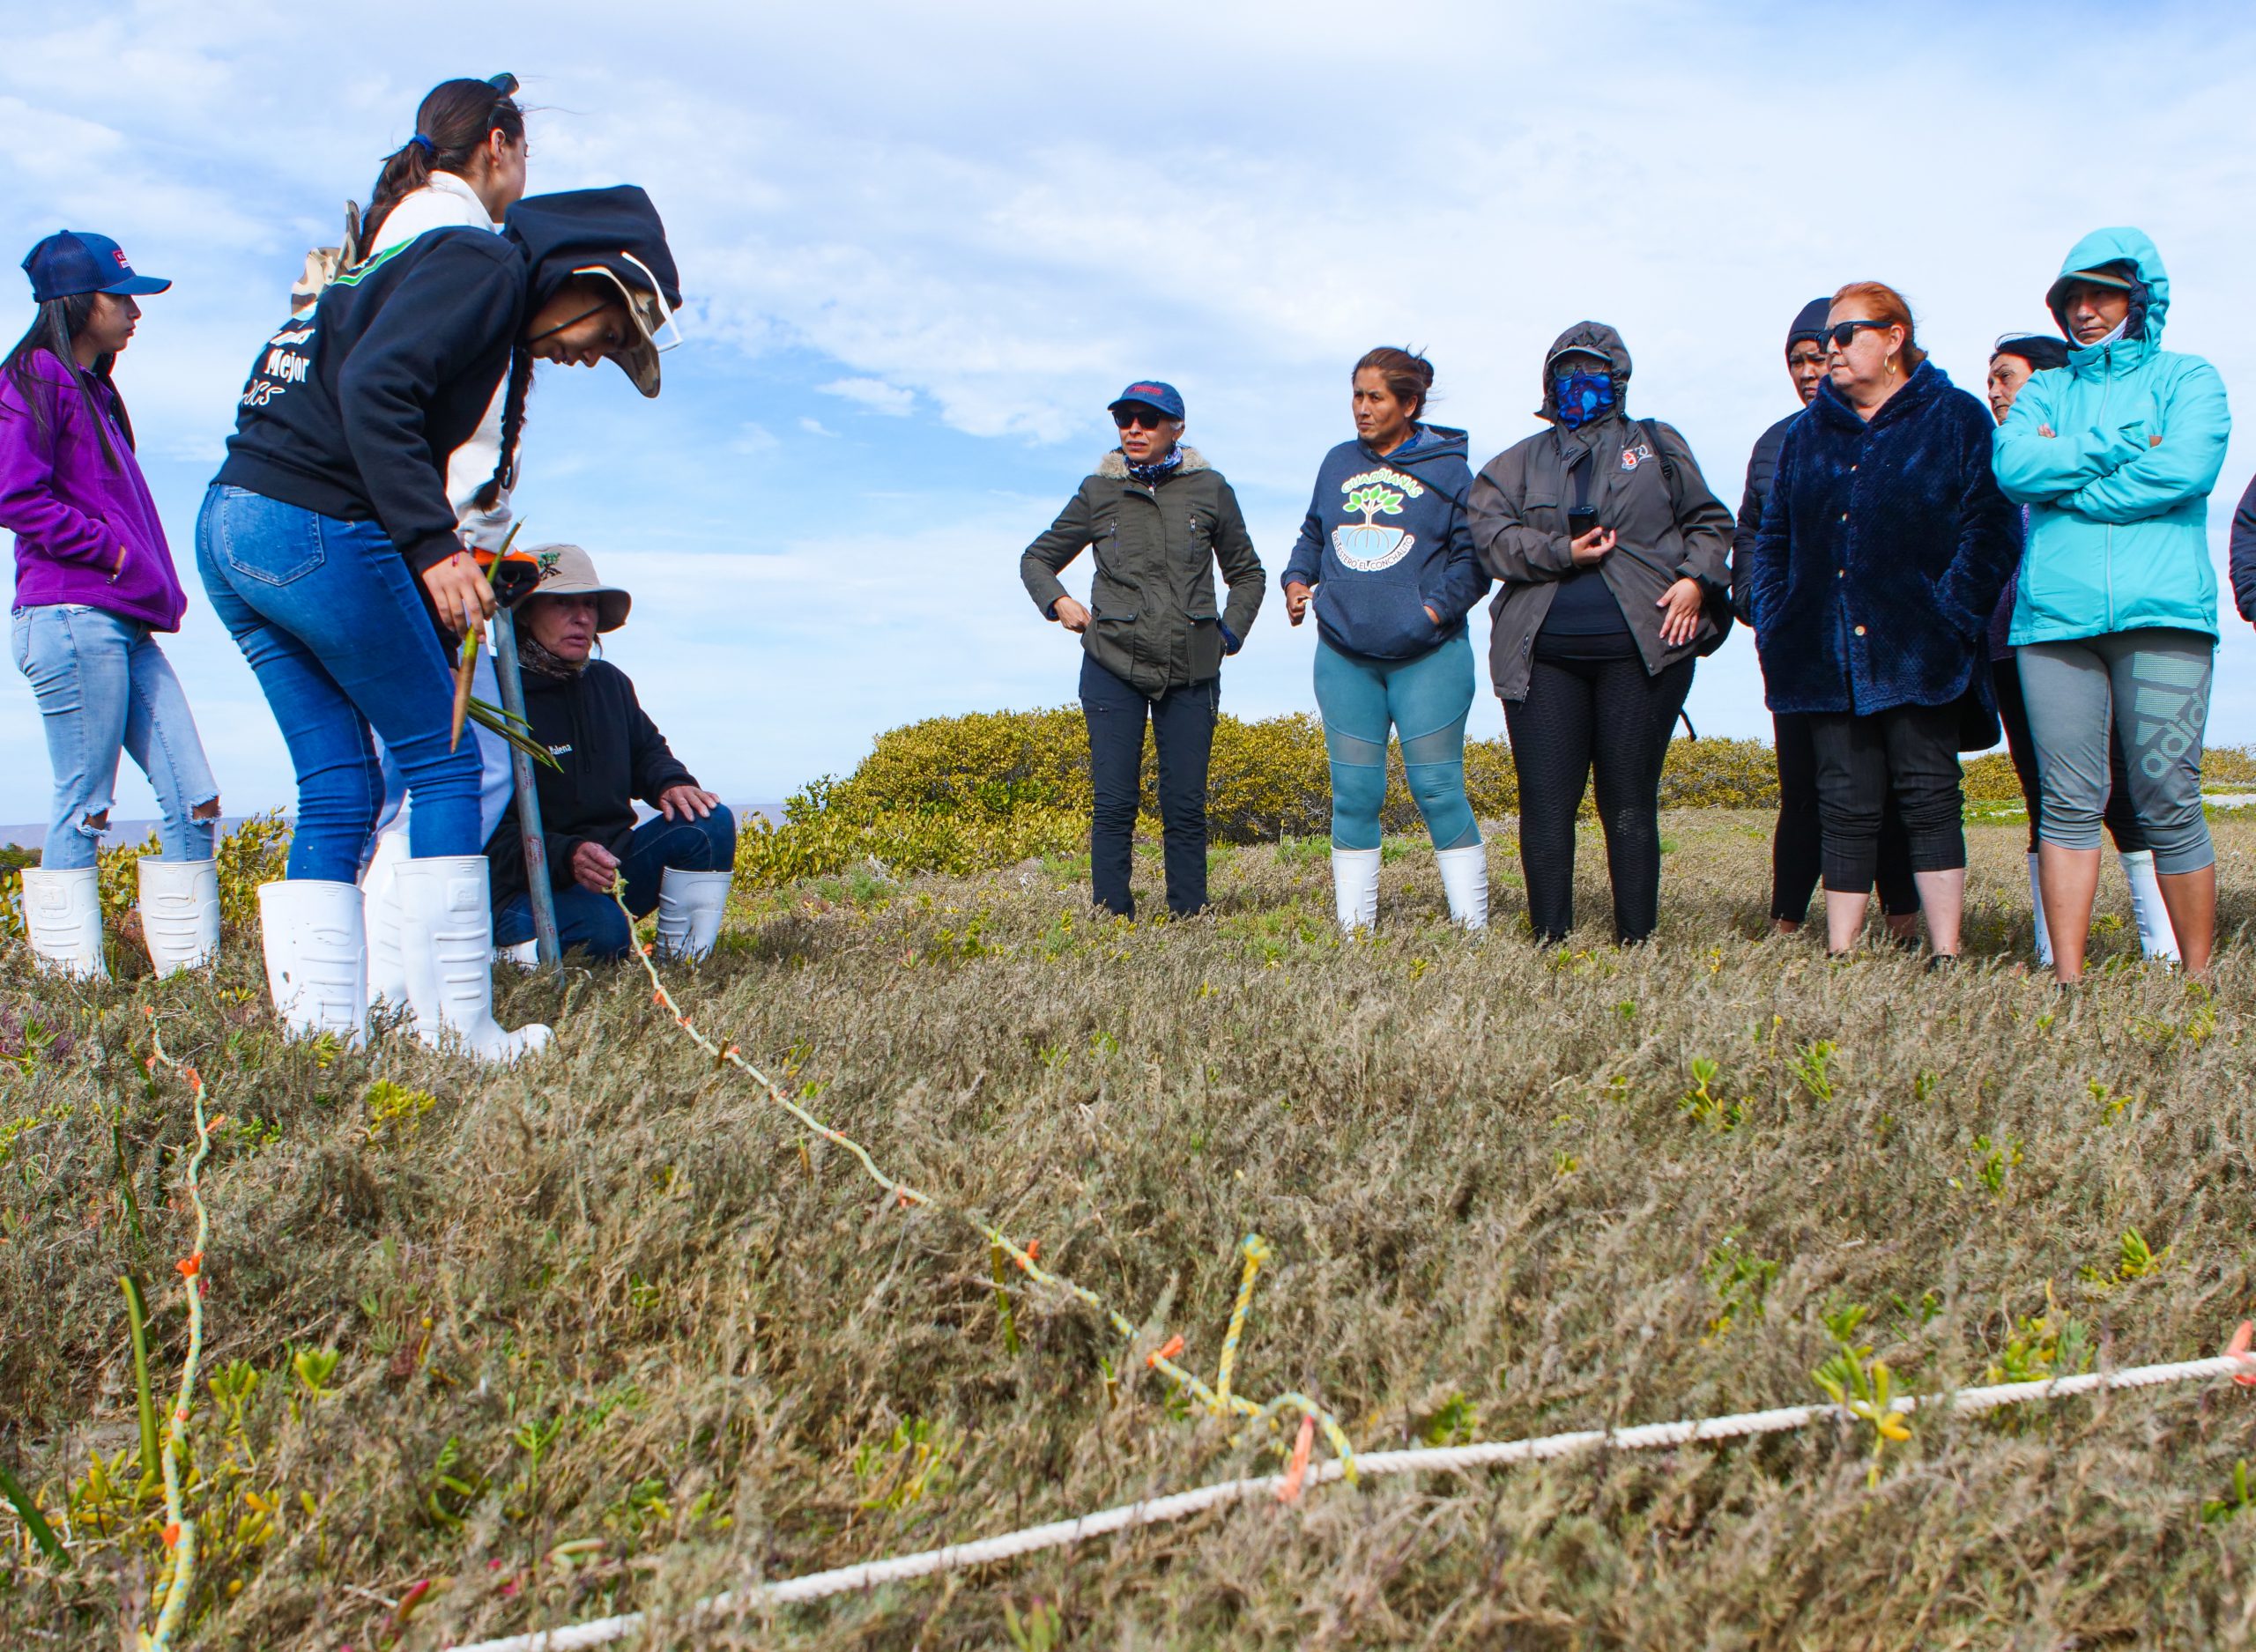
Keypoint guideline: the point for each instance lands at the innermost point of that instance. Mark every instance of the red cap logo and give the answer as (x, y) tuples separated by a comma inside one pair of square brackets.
[(118, 253)]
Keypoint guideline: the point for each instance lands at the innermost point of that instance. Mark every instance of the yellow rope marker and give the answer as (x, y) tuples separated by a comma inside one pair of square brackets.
[(1256, 1251), (1162, 1360), (179, 1531)]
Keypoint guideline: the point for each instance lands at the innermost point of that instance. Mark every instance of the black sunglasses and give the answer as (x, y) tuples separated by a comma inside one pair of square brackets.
[(1140, 418), (1844, 333)]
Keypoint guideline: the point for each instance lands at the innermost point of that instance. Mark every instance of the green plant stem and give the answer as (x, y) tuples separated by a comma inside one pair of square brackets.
[(35, 1522), (137, 1316)]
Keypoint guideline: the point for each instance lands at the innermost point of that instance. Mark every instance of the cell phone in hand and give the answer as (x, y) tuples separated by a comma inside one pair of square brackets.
[(1581, 522)]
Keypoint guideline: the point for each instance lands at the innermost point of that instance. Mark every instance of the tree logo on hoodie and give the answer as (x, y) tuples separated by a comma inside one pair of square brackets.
[(1370, 545)]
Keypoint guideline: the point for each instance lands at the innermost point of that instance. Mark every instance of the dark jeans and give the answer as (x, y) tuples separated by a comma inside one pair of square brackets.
[(1795, 855), (2121, 817), (1608, 716), (1183, 727), (1907, 755), (584, 918)]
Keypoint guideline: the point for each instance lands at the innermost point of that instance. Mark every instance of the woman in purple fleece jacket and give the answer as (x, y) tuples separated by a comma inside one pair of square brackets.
[(94, 581)]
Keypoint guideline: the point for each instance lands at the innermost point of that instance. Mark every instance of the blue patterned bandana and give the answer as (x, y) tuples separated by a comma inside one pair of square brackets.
[(1150, 474), (1582, 396)]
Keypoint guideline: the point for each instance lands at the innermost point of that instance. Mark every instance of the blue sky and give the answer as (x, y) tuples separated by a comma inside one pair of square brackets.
[(925, 246)]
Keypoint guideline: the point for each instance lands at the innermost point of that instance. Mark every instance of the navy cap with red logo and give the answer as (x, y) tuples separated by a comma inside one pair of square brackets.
[(1149, 393), (70, 262)]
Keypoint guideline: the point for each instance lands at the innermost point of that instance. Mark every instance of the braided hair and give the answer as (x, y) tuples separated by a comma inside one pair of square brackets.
[(491, 491), (57, 322)]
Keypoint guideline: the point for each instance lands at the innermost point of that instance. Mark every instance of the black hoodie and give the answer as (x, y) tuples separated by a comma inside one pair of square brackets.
[(352, 410)]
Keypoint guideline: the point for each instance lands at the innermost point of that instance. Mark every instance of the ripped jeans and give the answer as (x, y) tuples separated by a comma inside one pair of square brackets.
[(104, 686)]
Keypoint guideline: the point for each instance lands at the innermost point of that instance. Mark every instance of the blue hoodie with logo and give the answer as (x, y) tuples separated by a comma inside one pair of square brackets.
[(1387, 538)]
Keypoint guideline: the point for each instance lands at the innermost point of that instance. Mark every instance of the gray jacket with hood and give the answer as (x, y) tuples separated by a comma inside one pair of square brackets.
[(1665, 531), (1154, 622)]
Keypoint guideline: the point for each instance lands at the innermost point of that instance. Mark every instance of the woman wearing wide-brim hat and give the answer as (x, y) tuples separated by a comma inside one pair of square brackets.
[(609, 755)]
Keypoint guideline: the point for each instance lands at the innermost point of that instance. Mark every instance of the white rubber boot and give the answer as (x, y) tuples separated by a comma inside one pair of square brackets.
[(317, 956), (1354, 885), (1465, 880), (180, 913), (690, 907), (525, 954), (2156, 938), (382, 918), (63, 921), (448, 941), (2036, 905)]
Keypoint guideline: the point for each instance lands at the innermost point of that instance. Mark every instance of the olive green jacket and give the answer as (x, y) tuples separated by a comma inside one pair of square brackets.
[(1153, 618)]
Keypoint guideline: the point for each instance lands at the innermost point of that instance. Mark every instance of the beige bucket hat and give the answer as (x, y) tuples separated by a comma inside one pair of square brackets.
[(565, 570)]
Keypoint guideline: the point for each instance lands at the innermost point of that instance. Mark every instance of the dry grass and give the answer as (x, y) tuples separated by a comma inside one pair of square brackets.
[(608, 1298)]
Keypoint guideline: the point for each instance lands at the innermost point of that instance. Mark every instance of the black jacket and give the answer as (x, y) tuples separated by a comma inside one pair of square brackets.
[(2244, 555), (612, 754), (1882, 550), (352, 410), (1153, 619), (1761, 471)]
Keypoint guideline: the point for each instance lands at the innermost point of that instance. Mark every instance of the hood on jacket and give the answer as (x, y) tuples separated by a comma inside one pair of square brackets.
[(1592, 338), (1429, 442), (1114, 465), (2128, 248), (616, 232)]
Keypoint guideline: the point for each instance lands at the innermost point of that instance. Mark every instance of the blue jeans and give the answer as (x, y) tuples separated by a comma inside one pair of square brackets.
[(333, 624), (104, 686), (1426, 701), (1182, 729), (586, 919)]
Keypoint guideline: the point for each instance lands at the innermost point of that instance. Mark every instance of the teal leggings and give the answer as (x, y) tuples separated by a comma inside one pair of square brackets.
[(1426, 700)]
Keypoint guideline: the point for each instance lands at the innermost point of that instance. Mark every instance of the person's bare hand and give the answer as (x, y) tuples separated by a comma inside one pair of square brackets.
[(1593, 548), (118, 566), (686, 803), (460, 593), (2048, 433), (1296, 595), (1683, 600), (2153, 441), (1071, 615), (594, 868), (1432, 619)]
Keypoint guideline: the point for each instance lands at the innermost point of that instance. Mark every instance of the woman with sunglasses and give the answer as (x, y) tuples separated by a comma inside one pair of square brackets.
[(328, 544), (1883, 546), (1385, 557), (1157, 518), (1611, 551), (464, 169)]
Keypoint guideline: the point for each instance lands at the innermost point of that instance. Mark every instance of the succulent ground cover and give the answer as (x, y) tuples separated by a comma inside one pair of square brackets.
[(489, 1352)]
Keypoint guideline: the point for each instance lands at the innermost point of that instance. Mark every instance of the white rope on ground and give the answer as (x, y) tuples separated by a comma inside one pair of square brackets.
[(1439, 1459)]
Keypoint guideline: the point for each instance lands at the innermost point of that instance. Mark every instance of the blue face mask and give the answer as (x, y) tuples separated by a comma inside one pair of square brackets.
[(1582, 396)]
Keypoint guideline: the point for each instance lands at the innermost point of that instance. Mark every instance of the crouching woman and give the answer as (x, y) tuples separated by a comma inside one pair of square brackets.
[(608, 753)]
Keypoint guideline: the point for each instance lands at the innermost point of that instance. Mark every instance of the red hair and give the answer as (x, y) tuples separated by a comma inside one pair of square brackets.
[(1889, 305)]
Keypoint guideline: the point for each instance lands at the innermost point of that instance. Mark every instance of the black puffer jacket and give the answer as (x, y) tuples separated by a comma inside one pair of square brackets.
[(1153, 619), (1761, 471), (611, 753)]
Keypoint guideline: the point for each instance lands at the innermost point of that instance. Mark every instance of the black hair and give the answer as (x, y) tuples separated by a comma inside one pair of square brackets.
[(513, 423), (2041, 350), (451, 125), (1409, 376), (58, 322)]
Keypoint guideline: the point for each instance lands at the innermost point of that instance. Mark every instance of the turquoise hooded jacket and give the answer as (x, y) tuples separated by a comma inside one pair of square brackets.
[(2115, 454)]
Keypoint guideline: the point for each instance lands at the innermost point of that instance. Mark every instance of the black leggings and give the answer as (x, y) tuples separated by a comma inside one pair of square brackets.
[(1609, 715), (2120, 817), (1795, 854)]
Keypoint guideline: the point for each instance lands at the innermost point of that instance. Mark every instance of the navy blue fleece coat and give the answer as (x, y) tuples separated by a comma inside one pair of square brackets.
[(1883, 547)]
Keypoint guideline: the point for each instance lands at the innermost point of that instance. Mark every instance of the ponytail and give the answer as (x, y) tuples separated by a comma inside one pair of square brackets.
[(451, 125)]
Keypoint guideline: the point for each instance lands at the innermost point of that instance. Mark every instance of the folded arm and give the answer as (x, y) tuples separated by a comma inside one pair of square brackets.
[(2033, 467), (2163, 474)]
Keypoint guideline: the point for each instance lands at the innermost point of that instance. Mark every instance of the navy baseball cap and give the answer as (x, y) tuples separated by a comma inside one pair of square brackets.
[(70, 262), (1149, 393)]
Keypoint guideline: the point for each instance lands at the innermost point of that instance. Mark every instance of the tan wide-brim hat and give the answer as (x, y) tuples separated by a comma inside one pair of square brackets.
[(567, 571)]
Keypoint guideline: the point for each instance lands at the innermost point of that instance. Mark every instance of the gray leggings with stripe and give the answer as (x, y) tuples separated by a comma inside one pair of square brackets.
[(2154, 686)]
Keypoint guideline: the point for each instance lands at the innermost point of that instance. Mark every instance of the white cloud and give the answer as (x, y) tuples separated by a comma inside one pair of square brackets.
[(875, 395), (815, 428)]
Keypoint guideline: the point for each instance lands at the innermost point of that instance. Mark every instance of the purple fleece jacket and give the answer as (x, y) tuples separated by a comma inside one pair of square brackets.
[(71, 508)]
